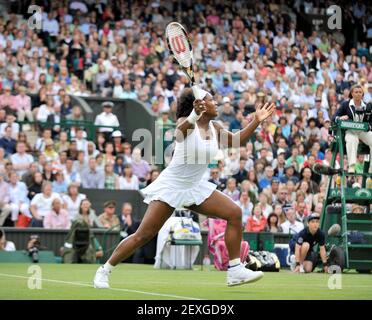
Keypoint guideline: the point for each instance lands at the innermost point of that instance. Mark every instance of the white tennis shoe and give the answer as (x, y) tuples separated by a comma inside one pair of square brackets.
[(101, 279), (240, 275)]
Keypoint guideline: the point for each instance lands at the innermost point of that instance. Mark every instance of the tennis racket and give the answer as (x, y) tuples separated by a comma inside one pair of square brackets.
[(180, 47)]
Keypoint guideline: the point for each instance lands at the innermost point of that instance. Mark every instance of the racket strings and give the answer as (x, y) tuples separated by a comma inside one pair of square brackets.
[(179, 45)]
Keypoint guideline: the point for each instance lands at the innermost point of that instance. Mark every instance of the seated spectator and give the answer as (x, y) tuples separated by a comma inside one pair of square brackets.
[(91, 178), (242, 173), (3, 161), (5, 207), (217, 180), (273, 224), (50, 154), (48, 174), (153, 176), (66, 106), (232, 190), (35, 185), (41, 204), (54, 120), (72, 200), (21, 160), (266, 180), (101, 142), (301, 207), (81, 141), (111, 179), (40, 142), (88, 214), (119, 165), (140, 167), (256, 222), (246, 205), (57, 218), (7, 99), (7, 142), (22, 137), (81, 163), (71, 175), (46, 109), (62, 144), (129, 225), (6, 245), (19, 201), (108, 155), (92, 152), (59, 184), (225, 88), (282, 197), (10, 122), (108, 218), (23, 105), (227, 114), (265, 206), (127, 152), (128, 181), (291, 226), (278, 210), (76, 115), (117, 140)]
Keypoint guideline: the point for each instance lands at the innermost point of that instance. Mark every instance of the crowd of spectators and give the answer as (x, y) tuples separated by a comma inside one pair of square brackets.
[(245, 54)]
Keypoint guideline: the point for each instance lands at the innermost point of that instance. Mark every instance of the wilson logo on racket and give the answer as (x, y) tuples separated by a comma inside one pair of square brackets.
[(177, 44)]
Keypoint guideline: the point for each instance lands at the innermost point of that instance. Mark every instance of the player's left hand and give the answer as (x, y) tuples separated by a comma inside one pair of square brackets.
[(265, 111)]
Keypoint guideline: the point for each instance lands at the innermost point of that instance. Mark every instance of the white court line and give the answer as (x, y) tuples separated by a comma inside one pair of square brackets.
[(114, 289)]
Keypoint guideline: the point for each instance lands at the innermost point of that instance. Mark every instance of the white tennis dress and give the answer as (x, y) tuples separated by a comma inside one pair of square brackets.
[(180, 184)]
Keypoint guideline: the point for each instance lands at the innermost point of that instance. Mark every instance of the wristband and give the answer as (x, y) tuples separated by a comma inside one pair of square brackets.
[(193, 117), (325, 264)]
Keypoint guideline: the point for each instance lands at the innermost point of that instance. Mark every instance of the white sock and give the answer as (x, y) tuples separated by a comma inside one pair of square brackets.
[(108, 267), (234, 262)]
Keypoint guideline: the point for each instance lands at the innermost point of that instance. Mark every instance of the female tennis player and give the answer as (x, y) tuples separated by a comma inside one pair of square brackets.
[(197, 141)]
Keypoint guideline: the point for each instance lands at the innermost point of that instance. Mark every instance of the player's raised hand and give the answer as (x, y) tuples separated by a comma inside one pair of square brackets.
[(199, 106), (265, 111)]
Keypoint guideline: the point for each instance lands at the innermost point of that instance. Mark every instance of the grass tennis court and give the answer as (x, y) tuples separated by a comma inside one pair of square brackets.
[(142, 282)]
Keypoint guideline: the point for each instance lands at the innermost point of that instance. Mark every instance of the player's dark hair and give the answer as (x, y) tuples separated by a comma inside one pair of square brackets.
[(185, 103)]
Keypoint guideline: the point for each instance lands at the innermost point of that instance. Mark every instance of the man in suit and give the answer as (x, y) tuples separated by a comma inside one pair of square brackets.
[(215, 178), (54, 120), (355, 110), (129, 225), (317, 60)]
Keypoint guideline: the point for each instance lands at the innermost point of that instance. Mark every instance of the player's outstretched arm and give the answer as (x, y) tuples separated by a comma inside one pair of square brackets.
[(229, 139)]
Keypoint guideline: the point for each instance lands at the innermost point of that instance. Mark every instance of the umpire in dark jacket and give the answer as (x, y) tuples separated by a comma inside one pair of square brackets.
[(355, 110)]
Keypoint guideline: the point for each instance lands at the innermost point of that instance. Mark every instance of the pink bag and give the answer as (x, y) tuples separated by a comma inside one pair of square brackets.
[(217, 246)]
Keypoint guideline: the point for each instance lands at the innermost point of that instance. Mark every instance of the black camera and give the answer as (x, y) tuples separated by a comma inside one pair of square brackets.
[(33, 248)]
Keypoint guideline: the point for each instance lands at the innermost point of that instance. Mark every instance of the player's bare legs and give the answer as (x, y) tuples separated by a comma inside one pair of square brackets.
[(156, 214), (221, 206)]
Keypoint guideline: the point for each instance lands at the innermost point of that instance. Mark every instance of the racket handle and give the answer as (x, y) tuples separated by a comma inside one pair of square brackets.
[(199, 93), (195, 91)]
